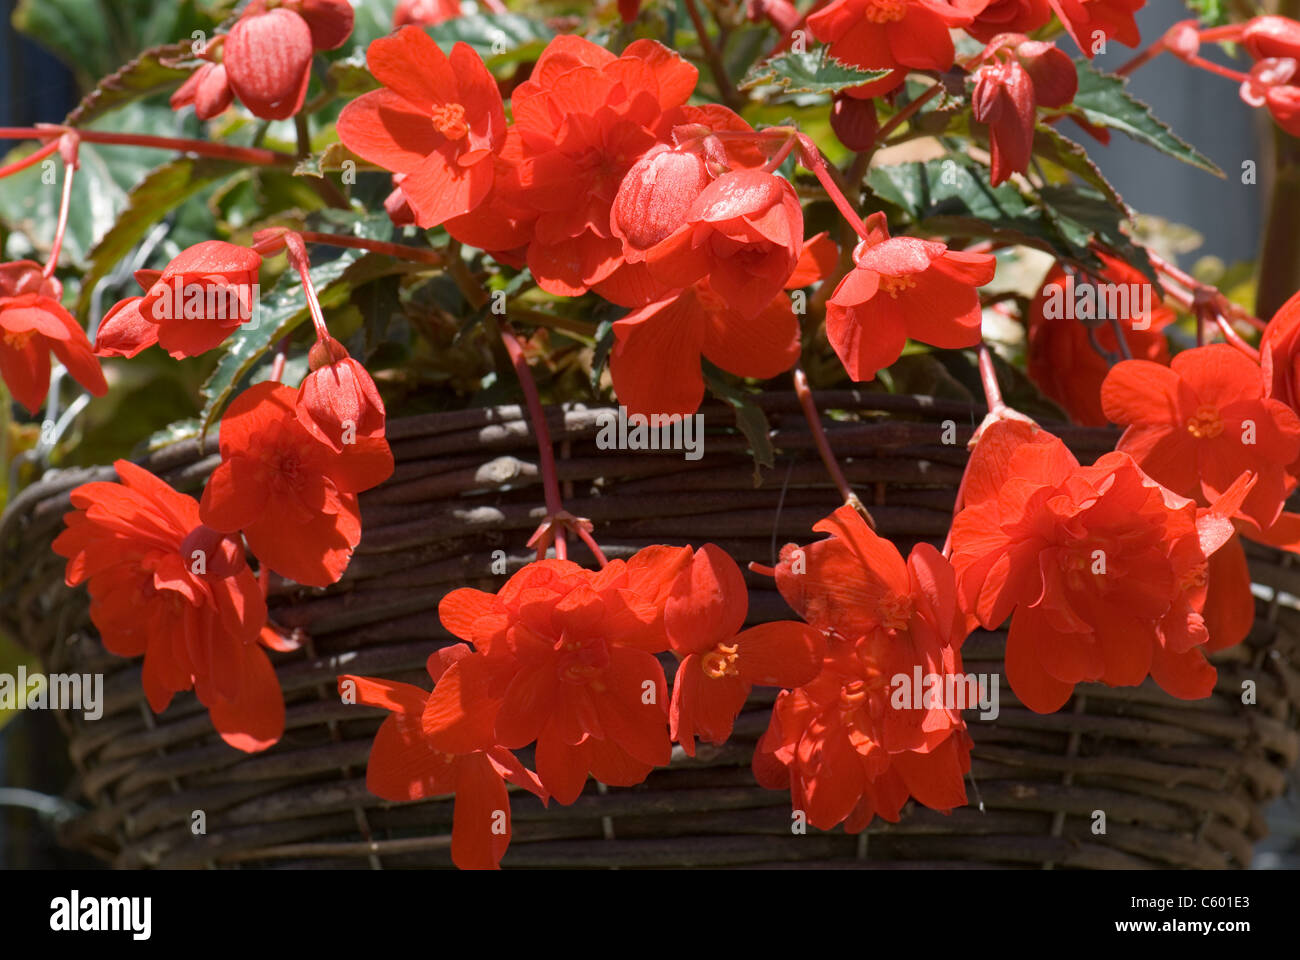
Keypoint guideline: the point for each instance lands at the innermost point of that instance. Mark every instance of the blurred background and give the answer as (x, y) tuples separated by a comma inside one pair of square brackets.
[(1208, 224)]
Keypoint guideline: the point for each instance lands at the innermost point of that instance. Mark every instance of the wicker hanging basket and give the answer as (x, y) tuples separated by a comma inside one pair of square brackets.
[(1181, 784)]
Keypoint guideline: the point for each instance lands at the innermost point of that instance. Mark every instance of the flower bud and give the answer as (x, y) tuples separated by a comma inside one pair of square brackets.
[(653, 198), (338, 402), (1271, 37), (854, 122), (268, 61)]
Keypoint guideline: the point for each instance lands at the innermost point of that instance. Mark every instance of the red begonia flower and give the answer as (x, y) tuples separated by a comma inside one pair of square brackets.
[(745, 231), (1062, 360), (199, 299), (1102, 570), (267, 56), (1112, 19), (32, 324), (1023, 76), (1280, 357), (902, 287), (720, 662), (1198, 424), (439, 121), (1004, 16), (563, 656), (655, 361), (292, 496), (581, 120), (890, 35), (425, 12), (338, 401), (179, 593), (847, 744), (1272, 37), (655, 197), (207, 89), (404, 766)]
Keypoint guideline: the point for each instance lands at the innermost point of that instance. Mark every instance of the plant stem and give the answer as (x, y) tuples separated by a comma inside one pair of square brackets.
[(811, 414), (255, 156), (297, 252), (714, 59), (989, 381), (400, 251), (65, 201), (900, 118), (545, 452), (29, 160), (811, 157)]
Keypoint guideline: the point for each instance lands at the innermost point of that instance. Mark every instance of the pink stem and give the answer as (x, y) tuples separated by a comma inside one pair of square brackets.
[(545, 452), (255, 156), (297, 252), (811, 414), (989, 381), (400, 251), (811, 157), (29, 160), (69, 169)]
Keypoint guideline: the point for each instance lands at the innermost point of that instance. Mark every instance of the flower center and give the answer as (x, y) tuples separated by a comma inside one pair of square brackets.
[(18, 340), (885, 11), (895, 612), (853, 695), (449, 120), (896, 285), (582, 662), (1205, 424), (721, 661)]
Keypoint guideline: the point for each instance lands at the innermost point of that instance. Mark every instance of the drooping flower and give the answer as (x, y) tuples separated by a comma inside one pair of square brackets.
[(292, 496), (404, 766), (207, 89), (1198, 424), (894, 35), (338, 401), (744, 231), (655, 361), (204, 294), (439, 122), (565, 657), (166, 587), (1102, 570), (857, 741), (267, 54), (1271, 37), (720, 662), (854, 121), (654, 198), (33, 323), (1066, 317), (1269, 85), (1022, 76), (581, 121), (903, 287), (1092, 23)]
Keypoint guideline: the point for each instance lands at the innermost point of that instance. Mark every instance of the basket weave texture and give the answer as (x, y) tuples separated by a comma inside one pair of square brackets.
[(1181, 784)]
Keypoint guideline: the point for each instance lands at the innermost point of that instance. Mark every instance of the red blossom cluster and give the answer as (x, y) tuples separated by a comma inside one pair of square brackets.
[(604, 174)]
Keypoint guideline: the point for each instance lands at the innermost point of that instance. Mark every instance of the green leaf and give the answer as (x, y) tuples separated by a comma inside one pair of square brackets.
[(154, 71), (1053, 147), (152, 199), (750, 418), (280, 313), (809, 73), (171, 434), (1103, 102), (500, 39)]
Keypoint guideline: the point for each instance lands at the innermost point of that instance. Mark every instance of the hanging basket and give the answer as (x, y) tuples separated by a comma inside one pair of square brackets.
[(1181, 784)]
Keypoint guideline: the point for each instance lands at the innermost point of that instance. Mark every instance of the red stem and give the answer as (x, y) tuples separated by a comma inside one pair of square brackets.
[(811, 157), (1234, 338), (65, 201), (989, 381), (297, 252), (898, 119), (29, 160), (545, 452), (814, 419), (400, 251), (1147, 55), (1210, 67), (255, 156)]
